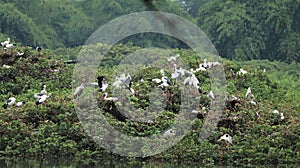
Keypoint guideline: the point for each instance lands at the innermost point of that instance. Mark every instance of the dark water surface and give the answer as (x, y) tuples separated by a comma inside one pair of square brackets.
[(70, 163)]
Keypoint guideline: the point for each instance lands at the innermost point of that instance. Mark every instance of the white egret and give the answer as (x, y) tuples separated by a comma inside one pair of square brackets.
[(9, 102), (227, 138)]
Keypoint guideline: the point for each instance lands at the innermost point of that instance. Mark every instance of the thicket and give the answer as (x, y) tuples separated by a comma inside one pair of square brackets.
[(53, 129)]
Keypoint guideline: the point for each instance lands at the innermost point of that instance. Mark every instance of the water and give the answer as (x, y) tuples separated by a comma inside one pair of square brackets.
[(70, 163)]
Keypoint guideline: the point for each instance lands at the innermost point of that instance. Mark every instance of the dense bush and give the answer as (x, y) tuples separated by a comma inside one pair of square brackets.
[(53, 128)]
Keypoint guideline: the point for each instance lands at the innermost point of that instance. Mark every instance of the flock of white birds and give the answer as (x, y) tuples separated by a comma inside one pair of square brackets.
[(126, 82), (40, 98)]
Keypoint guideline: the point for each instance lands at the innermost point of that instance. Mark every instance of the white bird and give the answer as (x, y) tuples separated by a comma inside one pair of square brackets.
[(20, 54), (38, 49), (211, 95), (199, 69), (165, 82), (78, 91), (193, 81), (42, 99), (4, 43), (20, 104), (234, 98), (173, 58), (158, 81), (128, 84), (253, 102), (110, 98), (44, 91), (204, 64), (125, 81), (178, 73), (195, 112), (277, 112), (249, 93), (6, 66), (282, 116), (227, 138), (37, 95), (241, 72), (9, 46), (9, 102), (102, 83), (168, 133)]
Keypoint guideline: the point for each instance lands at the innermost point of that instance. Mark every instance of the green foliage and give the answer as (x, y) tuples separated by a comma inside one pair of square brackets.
[(240, 30), (245, 30), (52, 129)]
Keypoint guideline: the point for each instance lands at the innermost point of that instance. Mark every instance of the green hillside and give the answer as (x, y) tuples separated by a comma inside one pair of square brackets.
[(240, 29), (52, 129)]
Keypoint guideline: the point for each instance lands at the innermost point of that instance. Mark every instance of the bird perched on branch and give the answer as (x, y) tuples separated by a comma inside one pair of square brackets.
[(38, 49), (193, 81), (178, 73), (227, 138), (4, 43), (42, 99), (110, 98), (7, 46), (9, 102), (249, 93), (102, 83), (78, 91), (44, 91), (211, 95), (20, 104)]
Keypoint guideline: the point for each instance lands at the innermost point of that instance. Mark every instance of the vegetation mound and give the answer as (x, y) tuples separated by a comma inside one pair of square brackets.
[(52, 129)]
